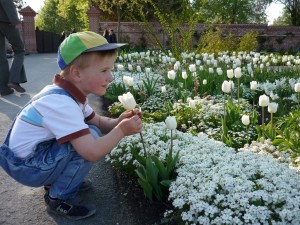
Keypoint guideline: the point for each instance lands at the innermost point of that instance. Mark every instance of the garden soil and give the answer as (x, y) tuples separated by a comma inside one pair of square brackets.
[(118, 197)]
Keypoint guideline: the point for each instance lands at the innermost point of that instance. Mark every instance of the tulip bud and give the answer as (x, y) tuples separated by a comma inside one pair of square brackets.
[(204, 82), (237, 72), (297, 87), (163, 89), (184, 75), (171, 122), (230, 74), (245, 120), (127, 100), (226, 87), (171, 74), (192, 103), (272, 107), (253, 85), (263, 100)]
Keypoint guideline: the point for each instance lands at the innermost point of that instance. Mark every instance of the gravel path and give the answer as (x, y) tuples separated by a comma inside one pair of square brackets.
[(25, 205)]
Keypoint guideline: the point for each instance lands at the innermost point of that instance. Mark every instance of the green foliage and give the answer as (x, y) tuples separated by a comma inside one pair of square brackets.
[(63, 16), (115, 90), (248, 42), (213, 41), (155, 176), (288, 132)]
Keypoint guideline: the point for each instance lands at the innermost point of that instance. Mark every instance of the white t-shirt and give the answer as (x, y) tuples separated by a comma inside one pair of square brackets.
[(52, 116)]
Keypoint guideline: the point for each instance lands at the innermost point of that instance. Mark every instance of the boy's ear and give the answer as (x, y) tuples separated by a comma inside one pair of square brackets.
[(74, 73)]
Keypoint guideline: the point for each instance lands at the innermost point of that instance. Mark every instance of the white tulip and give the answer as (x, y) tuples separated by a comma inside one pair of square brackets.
[(226, 87), (204, 82), (192, 68), (237, 72), (127, 100), (272, 107), (148, 70), (184, 75), (192, 103), (128, 80), (230, 73), (171, 122), (130, 67), (138, 68), (245, 120), (263, 100), (297, 87), (120, 67), (211, 70), (163, 89), (253, 85), (171, 74)]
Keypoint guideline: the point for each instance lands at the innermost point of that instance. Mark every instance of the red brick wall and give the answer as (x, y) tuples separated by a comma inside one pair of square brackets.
[(272, 38)]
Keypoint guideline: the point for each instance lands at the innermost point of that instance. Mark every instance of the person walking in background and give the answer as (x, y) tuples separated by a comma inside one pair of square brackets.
[(112, 36), (11, 78), (106, 34)]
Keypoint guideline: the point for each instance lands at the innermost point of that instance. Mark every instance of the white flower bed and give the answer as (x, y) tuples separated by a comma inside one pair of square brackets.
[(216, 185)]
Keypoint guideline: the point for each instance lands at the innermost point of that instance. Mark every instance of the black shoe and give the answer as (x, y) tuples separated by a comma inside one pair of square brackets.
[(8, 91), (74, 209), (85, 186), (17, 87)]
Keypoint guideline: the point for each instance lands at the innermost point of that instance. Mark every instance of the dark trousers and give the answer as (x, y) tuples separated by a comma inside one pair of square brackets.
[(16, 73)]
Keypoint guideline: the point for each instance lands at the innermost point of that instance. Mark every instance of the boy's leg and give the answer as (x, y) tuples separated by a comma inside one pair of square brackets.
[(67, 184)]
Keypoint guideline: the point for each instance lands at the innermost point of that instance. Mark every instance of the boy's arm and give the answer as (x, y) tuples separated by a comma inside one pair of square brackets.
[(93, 149), (106, 124)]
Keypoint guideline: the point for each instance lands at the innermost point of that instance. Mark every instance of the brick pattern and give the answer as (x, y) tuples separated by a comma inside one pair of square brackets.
[(276, 38), (28, 29)]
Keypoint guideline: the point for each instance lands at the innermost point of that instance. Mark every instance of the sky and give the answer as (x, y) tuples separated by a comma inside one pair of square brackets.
[(273, 11)]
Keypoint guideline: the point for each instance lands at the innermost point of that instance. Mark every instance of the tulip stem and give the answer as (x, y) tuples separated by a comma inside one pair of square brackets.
[(262, 116), (238, 94), (142, 139)]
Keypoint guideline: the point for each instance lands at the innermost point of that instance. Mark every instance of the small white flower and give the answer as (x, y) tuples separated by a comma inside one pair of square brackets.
[(163, 89)]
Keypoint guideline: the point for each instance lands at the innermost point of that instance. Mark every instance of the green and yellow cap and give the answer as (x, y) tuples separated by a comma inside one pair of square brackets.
[(77, 43)]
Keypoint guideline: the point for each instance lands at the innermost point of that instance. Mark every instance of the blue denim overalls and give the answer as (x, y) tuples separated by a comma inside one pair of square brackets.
[(50, 163)]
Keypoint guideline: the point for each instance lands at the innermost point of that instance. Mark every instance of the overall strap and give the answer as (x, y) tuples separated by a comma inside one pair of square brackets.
[(40, 95)]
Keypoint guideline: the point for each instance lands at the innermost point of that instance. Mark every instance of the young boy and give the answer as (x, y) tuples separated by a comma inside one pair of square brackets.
[(56, 136)]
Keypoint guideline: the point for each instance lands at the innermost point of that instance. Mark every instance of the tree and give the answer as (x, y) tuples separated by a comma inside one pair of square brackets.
[(63, 15), (232, 11), (283, 20), (19, 4), (117, 7), (293, 8)]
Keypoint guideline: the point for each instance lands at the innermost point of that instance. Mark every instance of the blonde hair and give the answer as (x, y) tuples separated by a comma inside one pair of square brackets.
[(85, 59)]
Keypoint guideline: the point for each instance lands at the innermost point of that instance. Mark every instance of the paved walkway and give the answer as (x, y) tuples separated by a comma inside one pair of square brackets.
[(24, 205)]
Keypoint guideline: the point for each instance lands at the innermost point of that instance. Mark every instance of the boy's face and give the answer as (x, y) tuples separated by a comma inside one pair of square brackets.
[(96, 77)]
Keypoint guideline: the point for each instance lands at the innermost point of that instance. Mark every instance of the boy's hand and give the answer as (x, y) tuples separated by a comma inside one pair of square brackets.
[(130, 113), (132, 125)]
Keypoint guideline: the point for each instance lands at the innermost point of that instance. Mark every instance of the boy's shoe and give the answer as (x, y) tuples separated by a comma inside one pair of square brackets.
[(74, 209), (17, 87), (85, 186), (8, 91)]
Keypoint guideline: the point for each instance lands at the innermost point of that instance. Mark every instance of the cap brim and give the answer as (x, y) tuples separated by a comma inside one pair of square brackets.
[(106, 47)]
